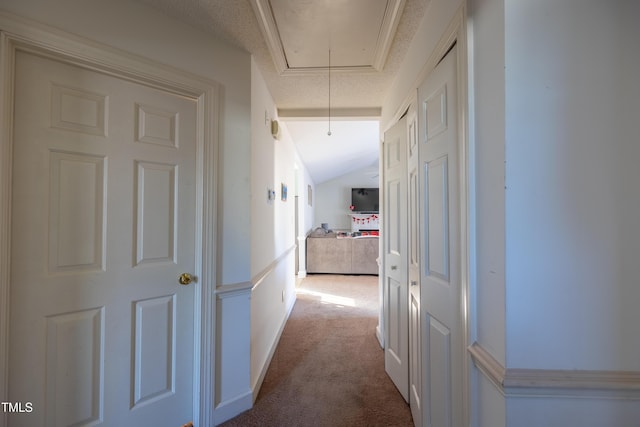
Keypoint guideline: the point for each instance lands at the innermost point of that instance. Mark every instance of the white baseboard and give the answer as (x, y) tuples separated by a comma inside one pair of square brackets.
[(231, 408), (380, 336)]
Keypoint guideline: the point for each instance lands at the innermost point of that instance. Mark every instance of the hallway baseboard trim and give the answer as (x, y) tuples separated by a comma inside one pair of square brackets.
[(556, 382), (232, 407), (259, 278), (379, 336)]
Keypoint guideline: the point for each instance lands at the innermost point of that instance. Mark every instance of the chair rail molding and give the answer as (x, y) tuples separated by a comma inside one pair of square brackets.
[(258, 278), (518, 382)]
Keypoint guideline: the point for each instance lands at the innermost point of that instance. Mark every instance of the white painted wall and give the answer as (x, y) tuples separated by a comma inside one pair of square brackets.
[(563, 412), (306, 195), (488, 404), (572, 199), (487, 71), (272, 164), (555, 97), (487, 122), (306, 213), (273, 239), (334, 197)]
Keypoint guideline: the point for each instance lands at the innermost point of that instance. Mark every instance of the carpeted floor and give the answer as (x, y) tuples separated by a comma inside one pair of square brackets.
[(328, 369)]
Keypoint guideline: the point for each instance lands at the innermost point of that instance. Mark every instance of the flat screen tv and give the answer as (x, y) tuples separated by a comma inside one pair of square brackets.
[(365, 200)]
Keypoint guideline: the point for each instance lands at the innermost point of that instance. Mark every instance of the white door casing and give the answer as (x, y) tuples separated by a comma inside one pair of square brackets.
[(395, 257), (415, 330), (94, 286), (440, 253)]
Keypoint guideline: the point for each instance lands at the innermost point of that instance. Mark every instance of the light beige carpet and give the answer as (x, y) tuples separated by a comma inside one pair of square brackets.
[(328, 369)]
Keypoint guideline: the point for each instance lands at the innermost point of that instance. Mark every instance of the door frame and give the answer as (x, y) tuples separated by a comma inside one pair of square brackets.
[(456, 34), (17, 34)]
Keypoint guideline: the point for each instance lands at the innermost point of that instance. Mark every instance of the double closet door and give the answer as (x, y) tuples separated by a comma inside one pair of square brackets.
[(423, 307)]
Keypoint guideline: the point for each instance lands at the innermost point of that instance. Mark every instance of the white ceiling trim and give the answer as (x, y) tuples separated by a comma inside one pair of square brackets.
[(371, 113), (387, 32), (269, 28)]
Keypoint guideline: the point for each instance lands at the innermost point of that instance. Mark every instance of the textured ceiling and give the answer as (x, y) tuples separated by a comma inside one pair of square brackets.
[(301, 33), (353, 93), (235, 22)]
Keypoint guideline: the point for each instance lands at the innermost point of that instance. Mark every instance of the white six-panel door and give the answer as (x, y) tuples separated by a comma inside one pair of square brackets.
[(394, 240), (440, 296), (103, 225)]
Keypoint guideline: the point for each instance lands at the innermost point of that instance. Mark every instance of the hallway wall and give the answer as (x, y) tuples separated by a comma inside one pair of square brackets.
[(554, 97), (273, 241), (554, 195), (572, 197)]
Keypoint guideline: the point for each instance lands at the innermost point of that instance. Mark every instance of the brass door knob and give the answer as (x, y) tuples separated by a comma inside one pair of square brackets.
[(185, 279)]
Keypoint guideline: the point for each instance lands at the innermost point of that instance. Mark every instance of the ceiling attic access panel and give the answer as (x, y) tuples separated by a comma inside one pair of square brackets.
[(299, 33)]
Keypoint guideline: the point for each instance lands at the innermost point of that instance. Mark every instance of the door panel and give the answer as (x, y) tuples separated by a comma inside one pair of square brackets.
[(441, 302), (103, 224), (439, 345), (415, 360), (74, 367), (77, 220), (395, 345), (154, 372), (395, 258), (156, 212), (436, 211), (395, 239)]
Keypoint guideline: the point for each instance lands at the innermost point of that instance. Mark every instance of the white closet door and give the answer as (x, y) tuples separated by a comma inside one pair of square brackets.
[(440, 298), (395, 257)]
